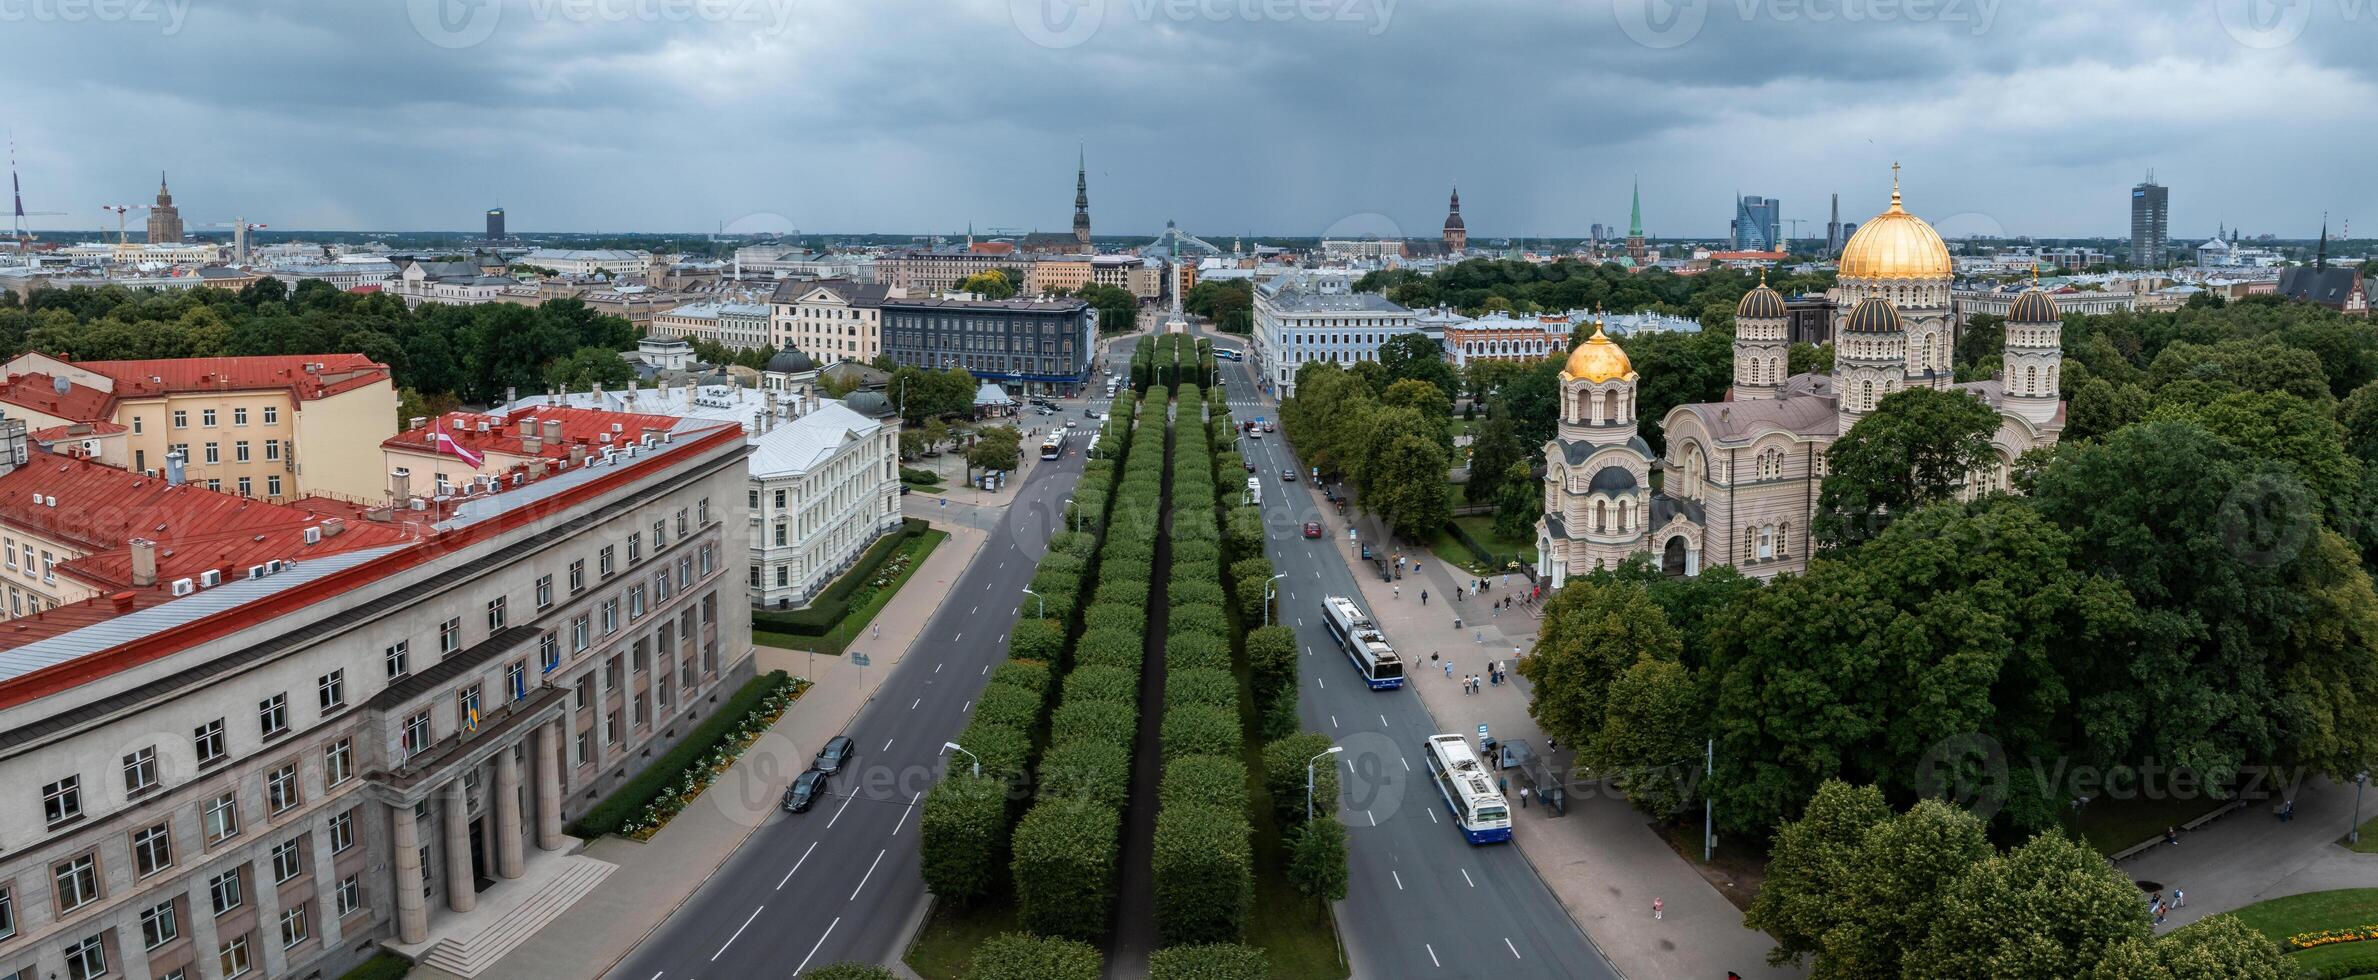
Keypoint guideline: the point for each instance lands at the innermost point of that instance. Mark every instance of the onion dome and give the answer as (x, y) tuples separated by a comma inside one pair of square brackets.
[(1895, 245), (1873, 315), (2034, 306), (1760, 303), (1598, 360)]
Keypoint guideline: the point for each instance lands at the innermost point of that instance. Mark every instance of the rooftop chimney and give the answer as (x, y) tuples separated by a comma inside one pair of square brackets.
[(553, 431), (144, 563), (173, 467), (400, 486), (511, 394), (528, 427)]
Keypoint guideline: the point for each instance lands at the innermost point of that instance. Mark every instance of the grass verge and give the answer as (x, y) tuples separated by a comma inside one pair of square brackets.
[(838, 638), (2347, 908), (945, 946), (2110, 825), (382, 966), (720, 731)]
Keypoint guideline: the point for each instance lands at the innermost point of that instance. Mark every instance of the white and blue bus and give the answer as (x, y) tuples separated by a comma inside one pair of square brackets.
[(1364, 644), (1469, 790), (1053, 446)]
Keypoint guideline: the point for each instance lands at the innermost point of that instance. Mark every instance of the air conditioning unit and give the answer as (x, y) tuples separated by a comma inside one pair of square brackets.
[(420, 504), (183, 586), (648, 441), (617, 427), (210, 578), (276, 565), (313, 535), (483, 426), (258, 571)]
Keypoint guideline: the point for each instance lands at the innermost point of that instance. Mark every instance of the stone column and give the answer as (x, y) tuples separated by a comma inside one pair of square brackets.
[(412, 915), (549, 786), (507, 813), (462, 892)]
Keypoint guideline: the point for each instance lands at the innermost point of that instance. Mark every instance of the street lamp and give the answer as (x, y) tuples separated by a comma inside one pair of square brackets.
[(2360, 779), (1076, 523), (1268, 592), (1332, 750), (1044, 602), (978, 760)]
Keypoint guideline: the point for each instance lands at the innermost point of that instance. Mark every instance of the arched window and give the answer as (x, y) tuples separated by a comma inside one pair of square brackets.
[(1626, 515), (1750, 541), (2031, 380), (1783, 537), (1601, 516), (1866, 396), (1766, 541)]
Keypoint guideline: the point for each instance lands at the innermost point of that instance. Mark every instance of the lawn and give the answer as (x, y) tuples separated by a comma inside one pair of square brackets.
[(946, 945), (2347, 908), (1481, 529), (838, 639), (2368, 844), (2110, 825)]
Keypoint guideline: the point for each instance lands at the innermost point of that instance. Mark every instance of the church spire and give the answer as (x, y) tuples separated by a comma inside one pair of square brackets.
[(1635, 223), (1081, 198), (2320, 257)]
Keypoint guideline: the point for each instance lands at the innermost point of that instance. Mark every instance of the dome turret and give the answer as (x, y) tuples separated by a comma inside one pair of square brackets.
[(1597, 360), (1873, 315), (1895, 245)]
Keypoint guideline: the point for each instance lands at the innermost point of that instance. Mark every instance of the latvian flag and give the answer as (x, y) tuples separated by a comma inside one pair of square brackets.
[(446, 444)]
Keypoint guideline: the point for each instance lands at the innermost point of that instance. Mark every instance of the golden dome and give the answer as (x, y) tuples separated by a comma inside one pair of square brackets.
[(1895, 245), (1598, 360)]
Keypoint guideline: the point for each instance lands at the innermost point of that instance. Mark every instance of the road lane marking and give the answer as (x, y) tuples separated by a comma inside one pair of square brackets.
[(1324, 684), (1333, 721), (1382, 721), (1432, 814), (986, 670), (958, 637), (838, 812), (1465, 876), (854, 893), (1375, 822), (1407, 763), (977, 609), (1399, 879), (1308, 650), (1432, 954), (912, 705), (887, 744), (969, 703), (722, 949), (937, 668), (1514, 949), (912, 808), (788, 875), (821, 942)]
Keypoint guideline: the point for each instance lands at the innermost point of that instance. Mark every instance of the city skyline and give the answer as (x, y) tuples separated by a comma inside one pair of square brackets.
[(576, 117)]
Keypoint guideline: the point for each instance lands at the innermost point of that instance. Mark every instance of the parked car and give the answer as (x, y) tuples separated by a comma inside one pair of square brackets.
[(1312, 529), (836, 754), (806, 790)]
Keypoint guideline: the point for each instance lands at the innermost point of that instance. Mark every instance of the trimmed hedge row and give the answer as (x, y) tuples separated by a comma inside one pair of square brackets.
[(1212, 961), (833, 603), (1016, 956)]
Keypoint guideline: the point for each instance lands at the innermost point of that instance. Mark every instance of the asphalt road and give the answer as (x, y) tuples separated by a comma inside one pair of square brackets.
[(840, 882), (1422, 902)]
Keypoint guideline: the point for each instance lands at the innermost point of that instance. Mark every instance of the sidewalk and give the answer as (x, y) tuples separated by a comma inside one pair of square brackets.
[(657, 876), (1602, 859), (2249, 856)]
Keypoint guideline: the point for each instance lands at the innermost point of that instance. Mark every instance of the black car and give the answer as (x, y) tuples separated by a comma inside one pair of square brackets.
[(807, 789), (836, 754), (1089, 413)]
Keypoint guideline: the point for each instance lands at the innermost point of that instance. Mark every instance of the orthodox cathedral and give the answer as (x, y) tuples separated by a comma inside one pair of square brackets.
[(1740, 477)]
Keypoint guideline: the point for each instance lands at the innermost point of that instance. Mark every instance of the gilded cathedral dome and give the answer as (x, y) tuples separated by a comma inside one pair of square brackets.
[(1895, 245), (1598, 360)]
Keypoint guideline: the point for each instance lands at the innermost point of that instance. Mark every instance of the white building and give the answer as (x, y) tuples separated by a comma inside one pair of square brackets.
[(828, 319), (736, 325), (1300, 318), (824, 475), (590, 261)]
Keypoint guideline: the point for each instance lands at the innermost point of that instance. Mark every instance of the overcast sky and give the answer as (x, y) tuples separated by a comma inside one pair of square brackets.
[(1255, 117)]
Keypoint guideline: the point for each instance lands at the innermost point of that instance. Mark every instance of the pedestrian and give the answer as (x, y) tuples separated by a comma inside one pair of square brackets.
[(2159, 911), (1502, 784), (1399, 591), (1523, 797), (1551, 744), (1498, 612), (1424, 597), (879, 631), (1657, 907), (2179, 898), (2171, 836), (1448, 668)]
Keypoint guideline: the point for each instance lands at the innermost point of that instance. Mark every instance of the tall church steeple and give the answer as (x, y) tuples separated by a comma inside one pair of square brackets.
[(1081, 198), (1457, 234), (1635, 248)]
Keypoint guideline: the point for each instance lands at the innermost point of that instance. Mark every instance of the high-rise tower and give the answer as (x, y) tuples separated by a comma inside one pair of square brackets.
[(2150, 223), (165, 220), (495, 224), (1081, 199)]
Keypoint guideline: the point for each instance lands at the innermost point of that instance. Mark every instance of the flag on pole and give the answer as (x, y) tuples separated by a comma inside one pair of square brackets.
[(446, 444)]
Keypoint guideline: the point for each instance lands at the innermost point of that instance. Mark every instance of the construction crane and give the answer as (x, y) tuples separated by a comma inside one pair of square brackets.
[(1786, 244), (240, 227), (24, 238)]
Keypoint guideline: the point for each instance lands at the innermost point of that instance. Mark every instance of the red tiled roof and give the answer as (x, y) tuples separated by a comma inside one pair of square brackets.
[(579, 427), (310, 376), (100, 509), (77, 430), (39, 392)]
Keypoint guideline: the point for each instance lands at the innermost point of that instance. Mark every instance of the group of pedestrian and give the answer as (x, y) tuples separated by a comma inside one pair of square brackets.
[(2162, 908)]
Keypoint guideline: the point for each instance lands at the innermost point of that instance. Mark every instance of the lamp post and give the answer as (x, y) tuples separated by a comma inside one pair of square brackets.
[(2360, 780), (1332, 750), (1268, 591), (1044, 602), (1076, 523), (978, 760)]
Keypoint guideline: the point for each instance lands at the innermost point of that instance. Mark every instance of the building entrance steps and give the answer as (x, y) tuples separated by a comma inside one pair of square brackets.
[(508, 914)]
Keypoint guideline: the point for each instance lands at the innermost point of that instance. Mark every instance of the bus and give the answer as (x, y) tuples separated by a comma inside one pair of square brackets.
[(1053, 446), (1228, 353), (1364, 644), (1469, 790)]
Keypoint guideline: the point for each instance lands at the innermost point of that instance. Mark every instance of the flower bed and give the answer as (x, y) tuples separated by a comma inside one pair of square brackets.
[(646, 803), (2331, 937)]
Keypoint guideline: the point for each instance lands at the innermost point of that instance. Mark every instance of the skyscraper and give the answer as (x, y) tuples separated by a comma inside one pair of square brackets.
[(495, 224), (1758, 224), (1833, 228), (165, 220), (2150, 223)]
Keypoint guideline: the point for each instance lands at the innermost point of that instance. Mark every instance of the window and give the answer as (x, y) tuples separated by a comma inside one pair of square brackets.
[(681, 522), (233, 957), (206, 417), (350, 895), (247, 487), (158, 926), (86, 960), (578, 576), (635, 603), (272, 715), (293, 926), (224, 890), (280, 789), (548, 652), (272, 486), (516, 680), (702, 510), (780, 499), (220, 817), (272, 415), (466, 708), (338, 761), (544, 592), (331, 690), (399, 659), (449, 637), (755, 500), (272, 450), (210, 742), (62, 801), (416, 733), (660, 535), (181, 418), (610, 616), (152, 850), (77, 880), (342, 832), (239, 416), (495, 613), (287, 863), (239, 451), (578, 635), (140, 769), (603, 561), (214, 452), (137, 428), (8, 914)]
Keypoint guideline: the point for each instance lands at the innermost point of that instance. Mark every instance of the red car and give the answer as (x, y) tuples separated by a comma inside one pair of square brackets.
[(1312, 529)]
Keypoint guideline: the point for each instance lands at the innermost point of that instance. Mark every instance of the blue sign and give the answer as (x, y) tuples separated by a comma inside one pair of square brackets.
[(1482, 739), (858, 659)]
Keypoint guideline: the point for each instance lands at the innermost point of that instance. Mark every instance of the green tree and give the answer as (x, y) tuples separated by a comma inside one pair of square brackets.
[(1520, 501), (1284, 774), (2101, 406), (1651, 729), (1806, 358), (991, 283), (2220, 947), (587, 367), (1425, 398), (1919, 446), (1592, 632), (1494, 446), (1271, 660), (1811, 868), (998, 447), (1317, 859), (2050, 908), (1418, 357)]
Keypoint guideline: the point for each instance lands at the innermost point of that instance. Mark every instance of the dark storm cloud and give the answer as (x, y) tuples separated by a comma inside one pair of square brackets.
[(1278, 117)]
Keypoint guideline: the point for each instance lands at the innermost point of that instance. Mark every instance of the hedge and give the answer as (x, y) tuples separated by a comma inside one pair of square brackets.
[(833, 603), (630, 799), (1199, 729), (1205, 875), (1031, 675), (1125, 568), (1064, 868), (1114, 648), (1196, 571), (382, 966), (964, 825), (1058, 561), (1005, 752), (1271, 661), (1204, 593), (1284, 776), (1081, 543), (1204, 780), (1097, 721), (1100, 682), (1197, 621), (1087, 770), (1016, 956), (1117, 616), (1212, 961), (1036, 639), (1201, 650), (1201, 685), (1278, 719), (1011, 707), (1317, 858), (1131, 593), (1246, 531)]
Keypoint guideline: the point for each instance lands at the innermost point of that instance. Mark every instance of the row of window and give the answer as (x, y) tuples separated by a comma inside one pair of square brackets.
[(208, 417), (86, 959), (211, 453)]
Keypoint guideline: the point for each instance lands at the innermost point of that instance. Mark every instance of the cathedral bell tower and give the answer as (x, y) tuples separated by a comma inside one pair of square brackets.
[(1869, 358), (1761, 344)]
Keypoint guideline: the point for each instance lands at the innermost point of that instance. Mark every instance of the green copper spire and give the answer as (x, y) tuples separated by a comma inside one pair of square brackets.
[(1635, 225)]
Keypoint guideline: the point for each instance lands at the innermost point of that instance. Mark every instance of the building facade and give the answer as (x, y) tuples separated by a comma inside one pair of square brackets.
[(738, 326), (165, 220), (1300, 319), (923, 273), (1502, 337), (2150, 223), (1758, 224), (1041, 345), (590, 261), (1739, 478), (384, 716), (828, 319), (495, 224)]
